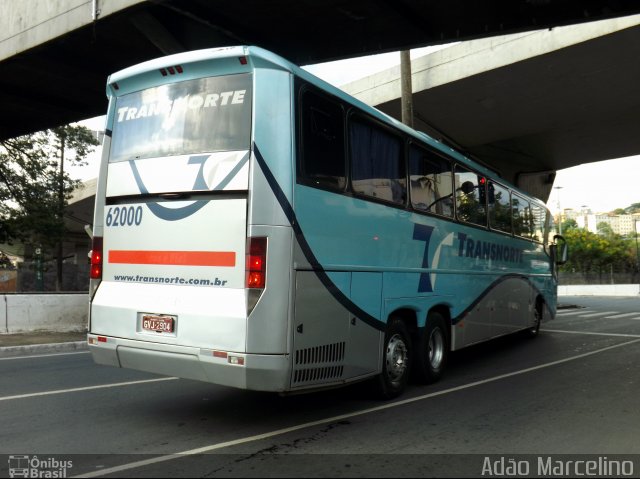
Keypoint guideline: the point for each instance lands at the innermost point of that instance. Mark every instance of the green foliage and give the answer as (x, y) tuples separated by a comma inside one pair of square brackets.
[(634, 208), (33, 193), (569, 224), (605, 229), (596, 253)]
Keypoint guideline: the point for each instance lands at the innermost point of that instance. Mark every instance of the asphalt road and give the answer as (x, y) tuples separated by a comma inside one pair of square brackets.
[(574, 390)]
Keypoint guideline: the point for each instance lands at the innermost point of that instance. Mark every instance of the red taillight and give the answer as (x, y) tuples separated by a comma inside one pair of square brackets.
[(256, 266), (243, 60), (171, 70), (96, 258)]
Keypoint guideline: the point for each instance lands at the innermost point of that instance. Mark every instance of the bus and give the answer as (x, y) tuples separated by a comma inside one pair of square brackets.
[(258, 228)]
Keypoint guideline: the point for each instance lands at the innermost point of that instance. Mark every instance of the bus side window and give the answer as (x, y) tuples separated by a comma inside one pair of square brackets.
[(430, 182), (499, 208), (538, 218), (377, 166), (521, 216), (323, 153), (470, 204)]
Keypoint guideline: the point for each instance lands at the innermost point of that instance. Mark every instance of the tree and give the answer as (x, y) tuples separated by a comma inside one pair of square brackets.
[(34, 187), (594, 253), (634, 208), (605, 229), (569, 224)]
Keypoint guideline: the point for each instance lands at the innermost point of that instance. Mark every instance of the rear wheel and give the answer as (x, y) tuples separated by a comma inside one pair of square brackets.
[(396, 360), (432, 350)]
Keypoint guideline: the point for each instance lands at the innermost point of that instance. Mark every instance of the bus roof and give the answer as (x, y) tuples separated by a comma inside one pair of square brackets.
[(259, 57)]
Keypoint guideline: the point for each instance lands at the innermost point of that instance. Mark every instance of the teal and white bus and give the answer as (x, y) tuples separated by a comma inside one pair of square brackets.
[(256, 227)]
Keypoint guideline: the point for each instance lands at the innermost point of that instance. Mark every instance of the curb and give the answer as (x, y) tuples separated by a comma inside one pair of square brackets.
[(51, 348)]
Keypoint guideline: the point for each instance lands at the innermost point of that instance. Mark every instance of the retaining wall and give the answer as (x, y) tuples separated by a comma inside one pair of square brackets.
[(599, 290), (52, 312)]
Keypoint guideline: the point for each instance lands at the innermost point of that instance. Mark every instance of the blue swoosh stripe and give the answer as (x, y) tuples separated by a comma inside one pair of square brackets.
[(162, 212)]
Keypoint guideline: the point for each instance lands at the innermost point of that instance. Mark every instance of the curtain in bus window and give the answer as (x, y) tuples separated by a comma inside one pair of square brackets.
[(521, 216), (323, 158), (377, 169), (430, 182), (470, 202), (194, 116), (499, 208)]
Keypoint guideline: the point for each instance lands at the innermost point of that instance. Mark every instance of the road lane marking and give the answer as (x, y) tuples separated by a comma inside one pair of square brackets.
[(44, 355), (342, 417), (601, 313), (86, 388), (623, 315), (575, 313), (613, 335)]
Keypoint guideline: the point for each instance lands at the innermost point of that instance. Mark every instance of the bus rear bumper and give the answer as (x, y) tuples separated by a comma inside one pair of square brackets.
[(260, 372)]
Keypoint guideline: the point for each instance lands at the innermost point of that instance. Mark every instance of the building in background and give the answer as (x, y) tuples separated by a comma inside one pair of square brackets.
[(623, 225)]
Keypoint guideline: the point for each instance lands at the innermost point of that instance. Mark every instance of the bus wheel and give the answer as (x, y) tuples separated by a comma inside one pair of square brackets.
[(432, 350), (396, 360), (533, 331)]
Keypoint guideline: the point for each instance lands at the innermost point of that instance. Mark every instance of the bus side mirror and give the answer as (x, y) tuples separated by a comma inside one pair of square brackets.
[(560, 250)]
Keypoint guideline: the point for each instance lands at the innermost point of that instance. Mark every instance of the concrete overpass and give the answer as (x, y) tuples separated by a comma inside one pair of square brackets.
[(56, 54), (536, 102), (528, 104)]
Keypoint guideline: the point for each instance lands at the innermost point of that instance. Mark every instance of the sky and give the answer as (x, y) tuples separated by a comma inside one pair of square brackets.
[(600, 187)]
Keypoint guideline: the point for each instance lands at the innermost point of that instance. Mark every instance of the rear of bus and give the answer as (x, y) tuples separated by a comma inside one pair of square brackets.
[(179, 269)]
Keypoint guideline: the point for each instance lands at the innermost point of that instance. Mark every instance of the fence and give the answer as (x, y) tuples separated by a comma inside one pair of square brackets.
[(75, 277)]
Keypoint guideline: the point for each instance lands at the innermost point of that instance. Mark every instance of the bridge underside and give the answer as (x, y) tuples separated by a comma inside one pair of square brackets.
[(519, 119), (572, 106)]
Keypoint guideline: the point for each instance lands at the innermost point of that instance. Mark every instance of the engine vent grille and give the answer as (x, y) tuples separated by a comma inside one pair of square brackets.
[(329, 353), (319, 363), (317, 374)]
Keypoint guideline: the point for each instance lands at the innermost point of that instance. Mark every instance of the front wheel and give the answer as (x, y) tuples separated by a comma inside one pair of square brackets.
[(534, 330), (432, 350), (396, 360)]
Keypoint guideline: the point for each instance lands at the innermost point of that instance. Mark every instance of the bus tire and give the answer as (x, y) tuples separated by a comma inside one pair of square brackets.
[(534, 330), (432, 350), (396, 361)]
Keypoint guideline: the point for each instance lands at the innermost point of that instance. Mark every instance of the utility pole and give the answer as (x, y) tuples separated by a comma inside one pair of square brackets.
[(559, 210), (635, 230), (60, 213), (406, 88)]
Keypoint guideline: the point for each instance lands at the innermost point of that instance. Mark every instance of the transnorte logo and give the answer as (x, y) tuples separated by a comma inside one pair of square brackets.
[(199, 184)]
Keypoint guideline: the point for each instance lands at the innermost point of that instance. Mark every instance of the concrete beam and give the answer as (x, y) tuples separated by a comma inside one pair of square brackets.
[(475, 57), (29, 23), (525, 103)]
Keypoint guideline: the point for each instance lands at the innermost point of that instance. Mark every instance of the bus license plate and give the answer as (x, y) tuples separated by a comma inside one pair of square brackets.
[(158, 324)]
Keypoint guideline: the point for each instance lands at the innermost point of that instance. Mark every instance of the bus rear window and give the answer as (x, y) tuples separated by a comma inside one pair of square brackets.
[(193, 116)]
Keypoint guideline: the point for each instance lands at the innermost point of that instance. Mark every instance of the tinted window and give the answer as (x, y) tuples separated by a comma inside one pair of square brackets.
[(470, 196), (521, 216), (194, 116), (499, 207), (323, 156), (431, 182), (377, 169)]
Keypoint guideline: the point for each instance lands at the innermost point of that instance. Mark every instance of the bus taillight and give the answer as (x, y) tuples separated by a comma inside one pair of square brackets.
[(256, 268), (96, 258)]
